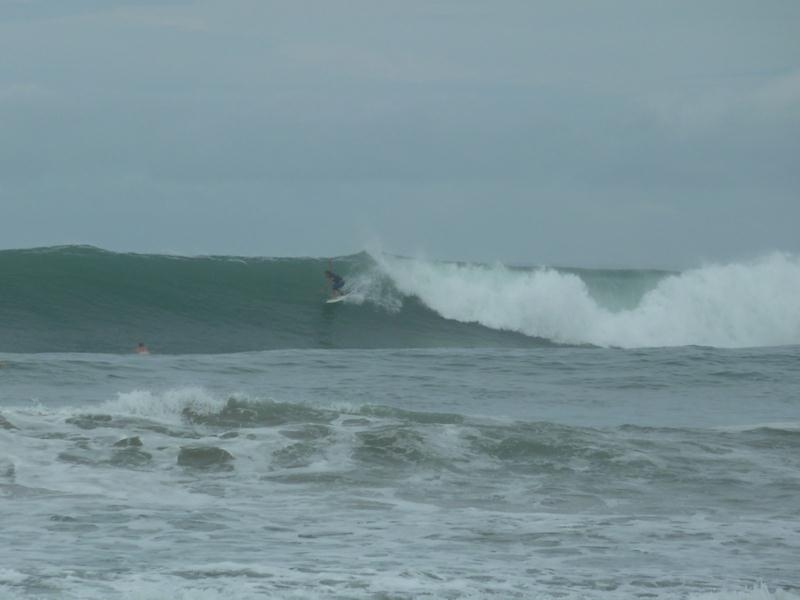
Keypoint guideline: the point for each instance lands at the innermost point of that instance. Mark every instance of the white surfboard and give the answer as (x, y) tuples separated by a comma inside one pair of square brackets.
[(336, 299)]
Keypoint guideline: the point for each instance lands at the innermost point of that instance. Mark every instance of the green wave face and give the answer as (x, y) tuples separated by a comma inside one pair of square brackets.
[(82, 299)]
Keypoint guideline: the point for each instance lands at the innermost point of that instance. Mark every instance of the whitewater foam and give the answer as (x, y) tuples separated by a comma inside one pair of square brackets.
[(750, 304), (168, 405), (370, 286), (758, 592)]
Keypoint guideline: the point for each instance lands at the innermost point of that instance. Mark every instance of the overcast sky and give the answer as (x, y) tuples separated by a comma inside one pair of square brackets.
[(615, 133)]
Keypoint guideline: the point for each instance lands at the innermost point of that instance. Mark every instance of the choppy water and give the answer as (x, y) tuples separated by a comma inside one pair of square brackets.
[(449, 431), (545, 472)]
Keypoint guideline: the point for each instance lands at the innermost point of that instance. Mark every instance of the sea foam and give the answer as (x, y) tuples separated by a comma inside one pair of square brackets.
[(755, 303), (167, 405), (758, 592)]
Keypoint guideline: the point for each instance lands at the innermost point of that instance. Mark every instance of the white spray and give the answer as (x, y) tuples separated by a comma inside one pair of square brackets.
[(755, 303)]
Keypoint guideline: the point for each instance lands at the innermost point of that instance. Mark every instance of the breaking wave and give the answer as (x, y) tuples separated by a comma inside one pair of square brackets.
[(82, 299)]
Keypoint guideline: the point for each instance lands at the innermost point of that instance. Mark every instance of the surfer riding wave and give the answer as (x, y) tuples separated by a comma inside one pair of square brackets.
[(336, 283)]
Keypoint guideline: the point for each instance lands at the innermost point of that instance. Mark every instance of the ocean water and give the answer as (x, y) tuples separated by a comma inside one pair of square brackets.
[(449, 431)]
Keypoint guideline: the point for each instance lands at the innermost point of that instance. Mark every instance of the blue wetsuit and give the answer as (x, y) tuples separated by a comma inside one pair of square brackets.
[(337, 283)]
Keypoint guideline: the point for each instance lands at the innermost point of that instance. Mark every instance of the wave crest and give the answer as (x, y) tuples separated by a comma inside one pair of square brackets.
[(756, 303)]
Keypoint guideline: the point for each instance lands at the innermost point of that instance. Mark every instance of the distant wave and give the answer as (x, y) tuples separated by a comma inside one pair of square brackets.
[(83, 299)]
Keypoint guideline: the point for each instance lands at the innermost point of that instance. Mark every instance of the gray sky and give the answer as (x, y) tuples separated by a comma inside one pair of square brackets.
[(615, 133)]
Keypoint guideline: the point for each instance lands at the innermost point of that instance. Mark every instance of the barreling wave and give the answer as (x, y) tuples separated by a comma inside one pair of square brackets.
[(83, 299)]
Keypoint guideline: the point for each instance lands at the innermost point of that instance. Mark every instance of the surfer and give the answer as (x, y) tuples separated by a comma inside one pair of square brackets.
[(142, 349), (336, 282)]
